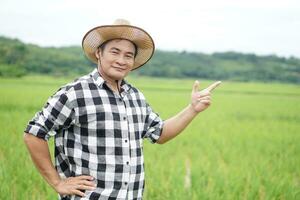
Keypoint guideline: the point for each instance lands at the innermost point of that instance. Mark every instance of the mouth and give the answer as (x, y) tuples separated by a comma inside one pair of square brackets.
[(119, 68)]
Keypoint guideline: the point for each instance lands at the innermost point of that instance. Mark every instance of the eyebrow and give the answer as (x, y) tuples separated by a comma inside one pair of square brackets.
[(115, 48)]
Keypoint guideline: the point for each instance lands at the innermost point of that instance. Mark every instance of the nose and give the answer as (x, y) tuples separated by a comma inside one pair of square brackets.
[(121, 60)]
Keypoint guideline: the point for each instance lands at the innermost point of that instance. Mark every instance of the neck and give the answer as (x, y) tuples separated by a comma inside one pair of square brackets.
[(112, 83)]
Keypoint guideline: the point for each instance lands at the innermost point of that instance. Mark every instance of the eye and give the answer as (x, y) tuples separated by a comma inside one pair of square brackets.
[(129, 56), (114, 51)]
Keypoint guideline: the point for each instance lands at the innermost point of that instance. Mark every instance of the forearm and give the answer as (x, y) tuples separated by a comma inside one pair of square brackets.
[(175, 125), (39, 151)]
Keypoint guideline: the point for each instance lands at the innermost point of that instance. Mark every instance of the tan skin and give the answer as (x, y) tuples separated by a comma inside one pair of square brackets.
[(114, 64)]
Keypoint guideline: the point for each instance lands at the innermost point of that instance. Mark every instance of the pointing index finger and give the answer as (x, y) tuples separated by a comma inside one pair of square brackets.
[(213, 86)]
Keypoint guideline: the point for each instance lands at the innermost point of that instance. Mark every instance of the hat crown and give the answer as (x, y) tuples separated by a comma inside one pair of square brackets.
[(121, 22)]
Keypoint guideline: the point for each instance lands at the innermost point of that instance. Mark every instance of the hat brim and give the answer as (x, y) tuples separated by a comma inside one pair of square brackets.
[(100, 34)]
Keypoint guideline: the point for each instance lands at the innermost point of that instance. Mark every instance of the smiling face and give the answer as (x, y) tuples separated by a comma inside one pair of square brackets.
[(116, 59)]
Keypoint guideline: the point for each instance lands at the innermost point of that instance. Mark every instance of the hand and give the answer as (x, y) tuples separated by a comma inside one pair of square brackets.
[(74, 185), (201, 100)]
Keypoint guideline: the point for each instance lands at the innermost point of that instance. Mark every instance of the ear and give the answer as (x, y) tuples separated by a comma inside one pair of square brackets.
[(97, 53)]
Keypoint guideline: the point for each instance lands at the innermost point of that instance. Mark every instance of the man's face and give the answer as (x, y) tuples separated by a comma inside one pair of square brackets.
[(116, 59)]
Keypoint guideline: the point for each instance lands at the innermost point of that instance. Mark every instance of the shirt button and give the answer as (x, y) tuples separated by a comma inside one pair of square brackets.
[(126, 141), (120, 100), (125, 183), (127, 163), (124, 118)]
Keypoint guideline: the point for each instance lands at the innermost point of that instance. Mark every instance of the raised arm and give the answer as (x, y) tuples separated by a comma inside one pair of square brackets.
[(200, 100)]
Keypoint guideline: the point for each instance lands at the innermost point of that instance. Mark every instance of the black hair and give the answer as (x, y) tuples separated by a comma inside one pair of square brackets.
[(102, 46)]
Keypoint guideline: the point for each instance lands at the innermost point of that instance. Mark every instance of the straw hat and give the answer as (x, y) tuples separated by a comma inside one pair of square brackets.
[(120, 29)]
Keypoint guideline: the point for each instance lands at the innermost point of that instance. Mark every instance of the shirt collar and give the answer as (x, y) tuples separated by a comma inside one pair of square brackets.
[(97, 78)]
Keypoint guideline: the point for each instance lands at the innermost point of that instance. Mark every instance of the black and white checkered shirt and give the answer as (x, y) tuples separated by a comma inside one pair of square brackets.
[(99, 132)]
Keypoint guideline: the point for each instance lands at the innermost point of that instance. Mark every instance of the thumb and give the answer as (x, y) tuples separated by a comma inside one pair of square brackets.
[(196, 86)]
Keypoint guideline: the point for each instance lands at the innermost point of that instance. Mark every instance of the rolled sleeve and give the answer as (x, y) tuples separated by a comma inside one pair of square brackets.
[(57, 114), (154, 125)]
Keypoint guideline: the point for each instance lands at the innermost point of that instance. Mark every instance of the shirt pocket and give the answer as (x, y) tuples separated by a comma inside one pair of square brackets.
[(87, 116)]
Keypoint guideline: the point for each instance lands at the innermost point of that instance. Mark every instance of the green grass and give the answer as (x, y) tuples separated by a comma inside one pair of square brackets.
[(245, 146)]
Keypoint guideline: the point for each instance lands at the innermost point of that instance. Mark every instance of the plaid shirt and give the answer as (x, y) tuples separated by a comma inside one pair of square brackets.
[(99, 132)]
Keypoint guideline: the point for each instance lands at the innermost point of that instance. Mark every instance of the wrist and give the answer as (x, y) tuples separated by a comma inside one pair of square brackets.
[(55, 183), (192, 110)]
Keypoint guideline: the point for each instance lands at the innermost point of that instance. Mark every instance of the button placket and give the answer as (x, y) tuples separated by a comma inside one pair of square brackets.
[(126, 142)]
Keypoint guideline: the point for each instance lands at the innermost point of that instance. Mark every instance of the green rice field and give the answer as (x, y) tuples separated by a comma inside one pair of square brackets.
[(245, 146)]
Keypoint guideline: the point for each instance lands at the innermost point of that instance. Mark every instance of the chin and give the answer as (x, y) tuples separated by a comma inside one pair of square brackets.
[(119, 75)]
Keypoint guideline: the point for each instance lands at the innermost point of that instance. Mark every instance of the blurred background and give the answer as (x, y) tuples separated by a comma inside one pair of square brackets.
[(245, 146), (229, 40)]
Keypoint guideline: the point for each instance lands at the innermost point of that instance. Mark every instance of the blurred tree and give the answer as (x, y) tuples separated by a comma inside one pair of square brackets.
[(223, 66)]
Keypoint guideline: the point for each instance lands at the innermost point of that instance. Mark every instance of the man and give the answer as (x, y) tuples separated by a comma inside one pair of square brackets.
[(99, 121)]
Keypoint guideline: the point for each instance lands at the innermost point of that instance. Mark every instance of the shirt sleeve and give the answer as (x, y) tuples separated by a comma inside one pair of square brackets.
[(154, 125), (57, 114)]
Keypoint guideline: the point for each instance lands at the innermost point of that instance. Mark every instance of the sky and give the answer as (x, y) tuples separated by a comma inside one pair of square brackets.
[(262, 27)]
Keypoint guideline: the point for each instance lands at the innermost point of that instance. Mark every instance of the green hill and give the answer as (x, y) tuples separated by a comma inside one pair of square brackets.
[(18, 59)]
